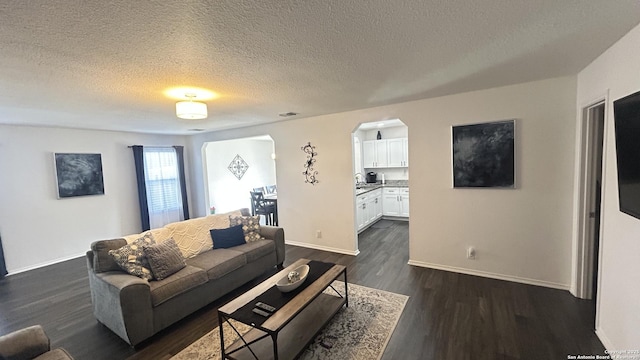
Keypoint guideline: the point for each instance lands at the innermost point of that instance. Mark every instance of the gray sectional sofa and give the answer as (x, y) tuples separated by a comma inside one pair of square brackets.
[(135, 309)]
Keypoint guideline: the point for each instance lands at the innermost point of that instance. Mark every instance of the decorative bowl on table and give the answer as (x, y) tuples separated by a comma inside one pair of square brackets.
[(293, 279)]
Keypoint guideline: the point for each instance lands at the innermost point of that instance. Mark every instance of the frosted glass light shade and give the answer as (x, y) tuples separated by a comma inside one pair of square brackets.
[(191, 110)]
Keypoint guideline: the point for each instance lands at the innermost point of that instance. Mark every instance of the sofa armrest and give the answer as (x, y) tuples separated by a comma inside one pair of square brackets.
[(277, 235), (26, 343), (122, 302)]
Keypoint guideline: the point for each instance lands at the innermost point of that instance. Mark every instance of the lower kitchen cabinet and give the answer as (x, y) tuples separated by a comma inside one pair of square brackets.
[(404, 202), (368, 208), (395, 202)]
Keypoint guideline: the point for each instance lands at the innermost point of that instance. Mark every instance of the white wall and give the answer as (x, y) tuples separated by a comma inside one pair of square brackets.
[(619, 284), (522, 234), (36, 227), (387, 132), (226, 192)]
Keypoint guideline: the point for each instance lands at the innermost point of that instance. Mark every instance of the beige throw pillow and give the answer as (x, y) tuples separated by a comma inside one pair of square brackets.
[(250, 226)]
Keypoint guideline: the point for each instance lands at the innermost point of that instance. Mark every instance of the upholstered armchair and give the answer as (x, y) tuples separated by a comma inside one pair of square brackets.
[(30, 343)]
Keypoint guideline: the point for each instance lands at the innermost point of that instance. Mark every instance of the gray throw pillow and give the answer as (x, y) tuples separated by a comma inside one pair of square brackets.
[(132, 258), (165, 258), (250, 226)]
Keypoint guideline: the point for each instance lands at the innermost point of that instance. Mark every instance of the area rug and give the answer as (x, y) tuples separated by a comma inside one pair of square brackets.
[(360, 331)]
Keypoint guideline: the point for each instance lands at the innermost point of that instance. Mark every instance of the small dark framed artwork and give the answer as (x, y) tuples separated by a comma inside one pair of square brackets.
[(79, 174), (484, 155)]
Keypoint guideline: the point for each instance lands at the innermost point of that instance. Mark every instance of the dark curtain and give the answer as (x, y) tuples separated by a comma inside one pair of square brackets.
[(183, 182), (138, 158), (3, 267)]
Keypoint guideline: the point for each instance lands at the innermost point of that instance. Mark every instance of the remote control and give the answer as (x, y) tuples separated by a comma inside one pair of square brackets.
[(261, 312), (265, 307)]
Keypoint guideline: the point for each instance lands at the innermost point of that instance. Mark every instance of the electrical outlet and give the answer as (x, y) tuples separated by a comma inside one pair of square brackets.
[(318, 234), (471, 253)]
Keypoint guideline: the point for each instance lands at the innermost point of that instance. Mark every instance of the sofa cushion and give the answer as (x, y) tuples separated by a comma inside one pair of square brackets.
[(164, 258), (55, 354), (250, 226), (226, 238), (218, 263), (184, 280), (256, 249), (102, 261), (192, 236), (132, 258)]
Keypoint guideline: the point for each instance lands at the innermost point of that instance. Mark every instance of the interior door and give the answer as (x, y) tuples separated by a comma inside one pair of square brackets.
[(595, 133)]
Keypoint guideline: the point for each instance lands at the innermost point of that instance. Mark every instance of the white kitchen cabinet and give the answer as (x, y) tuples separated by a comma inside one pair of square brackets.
[(374, 205), (404, 202), (397, 152), (368, 208), (405, 152), (395, 202), (368, 154), (390, 202), (378, 204), (375, 154), (360, 211)]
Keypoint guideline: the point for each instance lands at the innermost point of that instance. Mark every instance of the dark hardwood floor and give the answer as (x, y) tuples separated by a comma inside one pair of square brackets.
[(448, 315)]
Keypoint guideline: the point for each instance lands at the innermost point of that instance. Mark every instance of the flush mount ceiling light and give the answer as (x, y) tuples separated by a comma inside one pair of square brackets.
[(191, 110)]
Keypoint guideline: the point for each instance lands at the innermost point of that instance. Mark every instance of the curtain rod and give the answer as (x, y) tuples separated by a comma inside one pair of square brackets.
[(169, 146)]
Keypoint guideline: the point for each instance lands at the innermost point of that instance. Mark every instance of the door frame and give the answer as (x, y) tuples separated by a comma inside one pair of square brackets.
[(583, 248), (353, 163)]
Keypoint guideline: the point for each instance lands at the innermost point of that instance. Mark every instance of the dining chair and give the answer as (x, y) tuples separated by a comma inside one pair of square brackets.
[(261, 207), (259, 189), (271, 189)]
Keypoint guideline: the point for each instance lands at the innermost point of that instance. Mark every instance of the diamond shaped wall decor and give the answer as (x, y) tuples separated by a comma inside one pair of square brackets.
[(238, 167)]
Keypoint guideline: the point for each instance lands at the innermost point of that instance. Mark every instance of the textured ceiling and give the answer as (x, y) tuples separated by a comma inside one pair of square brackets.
[(105, 64)]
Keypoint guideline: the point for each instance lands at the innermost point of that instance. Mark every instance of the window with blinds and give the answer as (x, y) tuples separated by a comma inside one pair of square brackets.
[(162, 181)]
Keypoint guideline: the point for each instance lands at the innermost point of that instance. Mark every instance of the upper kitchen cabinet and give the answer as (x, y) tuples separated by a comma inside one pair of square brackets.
[(375, 153), (398, 152), (386, 153)]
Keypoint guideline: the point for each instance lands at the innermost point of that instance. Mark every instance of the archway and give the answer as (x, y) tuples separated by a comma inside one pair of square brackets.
[(226, 186)]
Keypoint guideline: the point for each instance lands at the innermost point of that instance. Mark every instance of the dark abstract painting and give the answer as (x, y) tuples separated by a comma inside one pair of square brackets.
[(79, 174), (483, 155)]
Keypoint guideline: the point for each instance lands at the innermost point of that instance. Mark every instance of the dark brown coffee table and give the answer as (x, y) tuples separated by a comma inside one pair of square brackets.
[(287, 332)]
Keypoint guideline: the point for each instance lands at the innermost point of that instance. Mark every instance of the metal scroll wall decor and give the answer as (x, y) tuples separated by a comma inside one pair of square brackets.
[(238, 167), (309, 173)]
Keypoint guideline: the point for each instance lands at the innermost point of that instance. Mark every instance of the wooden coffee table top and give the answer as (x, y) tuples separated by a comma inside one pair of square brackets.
[(281, 317)]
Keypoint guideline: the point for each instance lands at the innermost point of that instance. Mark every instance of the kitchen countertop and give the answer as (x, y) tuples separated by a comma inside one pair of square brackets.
[(367, 187)]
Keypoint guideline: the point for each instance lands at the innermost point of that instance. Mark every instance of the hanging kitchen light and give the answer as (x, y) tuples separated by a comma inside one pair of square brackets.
[(191, 110)]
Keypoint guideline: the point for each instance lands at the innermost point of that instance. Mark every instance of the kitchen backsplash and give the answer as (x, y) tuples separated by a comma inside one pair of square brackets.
[(391, 174)]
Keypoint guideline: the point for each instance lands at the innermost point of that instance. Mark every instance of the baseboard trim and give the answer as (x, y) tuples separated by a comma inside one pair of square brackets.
[(323, 248), (46, 263), (491, 275), (604, 339), (399, 218)]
